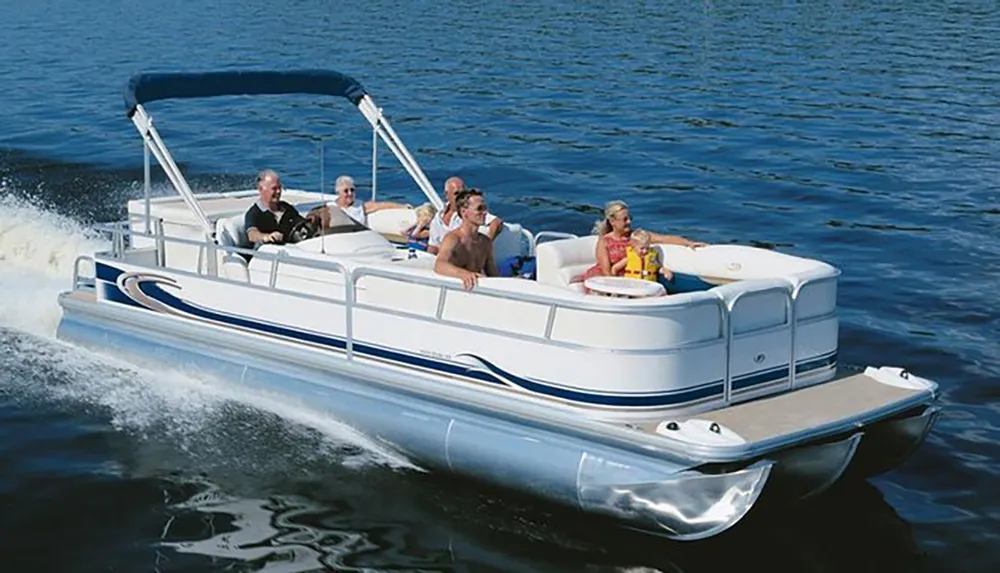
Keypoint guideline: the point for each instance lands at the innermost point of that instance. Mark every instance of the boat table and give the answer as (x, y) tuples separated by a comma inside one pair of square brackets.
[(623, 287)]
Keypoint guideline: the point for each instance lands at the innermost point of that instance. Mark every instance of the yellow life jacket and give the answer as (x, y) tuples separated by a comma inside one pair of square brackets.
[(635, 265)]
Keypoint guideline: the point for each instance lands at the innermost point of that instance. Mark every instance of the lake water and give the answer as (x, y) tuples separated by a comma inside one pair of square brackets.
[(863, 134)]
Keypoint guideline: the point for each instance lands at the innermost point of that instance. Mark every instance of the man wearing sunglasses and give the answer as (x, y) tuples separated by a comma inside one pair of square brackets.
[(465, 253)]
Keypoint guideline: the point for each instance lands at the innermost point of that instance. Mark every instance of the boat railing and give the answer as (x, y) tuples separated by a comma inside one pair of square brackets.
[(784, 290), (121, 230), (553, 304), (209, 250), (80, 281), (534, 240)]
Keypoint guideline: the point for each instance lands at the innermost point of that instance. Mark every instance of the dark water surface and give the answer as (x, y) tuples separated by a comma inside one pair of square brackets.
[(863, 134)]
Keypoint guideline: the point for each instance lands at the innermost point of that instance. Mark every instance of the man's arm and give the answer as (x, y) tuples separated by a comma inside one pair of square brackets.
[(253, 235), (494, 227), (250, 224), (444, 266), (435, 234)]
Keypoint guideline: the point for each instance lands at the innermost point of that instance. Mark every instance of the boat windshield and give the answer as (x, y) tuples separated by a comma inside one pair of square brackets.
[(341, 223)]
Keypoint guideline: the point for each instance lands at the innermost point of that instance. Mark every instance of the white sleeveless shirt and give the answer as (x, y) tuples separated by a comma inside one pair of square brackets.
[(356, 212)]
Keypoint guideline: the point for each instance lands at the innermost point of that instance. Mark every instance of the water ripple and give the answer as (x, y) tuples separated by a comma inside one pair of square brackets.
[(864, 135)]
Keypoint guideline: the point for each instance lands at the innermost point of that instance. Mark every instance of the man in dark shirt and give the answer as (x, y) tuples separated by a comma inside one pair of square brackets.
[(270, 220)]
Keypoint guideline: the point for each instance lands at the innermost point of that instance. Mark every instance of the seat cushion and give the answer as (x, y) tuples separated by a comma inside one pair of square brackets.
[(560, 260), (229, 231)]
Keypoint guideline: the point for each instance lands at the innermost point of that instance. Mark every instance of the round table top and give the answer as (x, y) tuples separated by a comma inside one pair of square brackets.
[(624, 286)]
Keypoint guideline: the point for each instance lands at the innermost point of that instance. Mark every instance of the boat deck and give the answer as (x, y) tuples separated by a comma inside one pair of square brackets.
[(771, 417)]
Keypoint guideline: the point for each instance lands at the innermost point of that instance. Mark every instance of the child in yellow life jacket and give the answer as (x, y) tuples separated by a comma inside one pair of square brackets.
[(643, 261)]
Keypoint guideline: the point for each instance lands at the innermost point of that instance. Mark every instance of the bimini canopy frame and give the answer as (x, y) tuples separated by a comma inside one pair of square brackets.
[(144, 88)]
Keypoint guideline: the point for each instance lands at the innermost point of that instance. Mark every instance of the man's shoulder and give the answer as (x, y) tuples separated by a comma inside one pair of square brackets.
[(251, 215), (451, 235)]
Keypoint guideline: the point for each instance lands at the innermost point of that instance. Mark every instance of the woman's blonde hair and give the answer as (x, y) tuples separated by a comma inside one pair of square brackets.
[(612, 208)]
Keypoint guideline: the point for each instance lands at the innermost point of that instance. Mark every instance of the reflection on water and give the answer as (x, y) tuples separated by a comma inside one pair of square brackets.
[(434, 523)]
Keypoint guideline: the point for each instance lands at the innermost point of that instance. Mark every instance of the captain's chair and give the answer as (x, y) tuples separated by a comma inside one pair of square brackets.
[(229, 232)]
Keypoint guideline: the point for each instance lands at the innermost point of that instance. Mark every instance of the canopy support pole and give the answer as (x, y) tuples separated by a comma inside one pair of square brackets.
[(378, 118), (385, 131), (146, 179), (144, 124), (322, 193)]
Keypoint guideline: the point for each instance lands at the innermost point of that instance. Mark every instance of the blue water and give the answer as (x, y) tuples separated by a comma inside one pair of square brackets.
[(862, 134)]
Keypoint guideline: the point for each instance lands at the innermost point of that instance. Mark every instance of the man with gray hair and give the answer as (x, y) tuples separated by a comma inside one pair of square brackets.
[(269, 219), (448, 219)]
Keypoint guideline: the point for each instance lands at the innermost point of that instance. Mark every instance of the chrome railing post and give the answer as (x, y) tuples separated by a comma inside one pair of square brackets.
[(118, 243), (727, 385), (161, 254), (442, 294), (792, 367), (77, 281), (273, 278), (790, 313), (550, 322), (350, 296)]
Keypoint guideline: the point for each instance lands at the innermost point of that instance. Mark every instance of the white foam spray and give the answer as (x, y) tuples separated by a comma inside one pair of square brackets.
[(193, 411), (37, 251), (38, 248)]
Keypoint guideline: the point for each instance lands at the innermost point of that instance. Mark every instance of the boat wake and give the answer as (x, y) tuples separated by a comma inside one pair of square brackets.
[(204, 422), (37, 252)]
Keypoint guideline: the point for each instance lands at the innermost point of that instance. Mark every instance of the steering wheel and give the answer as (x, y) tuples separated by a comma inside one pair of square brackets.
[(305, 229)]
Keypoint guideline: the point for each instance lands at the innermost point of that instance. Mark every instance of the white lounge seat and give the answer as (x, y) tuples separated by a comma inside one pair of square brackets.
[(560, 260)]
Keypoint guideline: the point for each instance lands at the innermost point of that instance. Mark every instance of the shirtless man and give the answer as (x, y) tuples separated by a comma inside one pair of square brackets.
[(465, 253)]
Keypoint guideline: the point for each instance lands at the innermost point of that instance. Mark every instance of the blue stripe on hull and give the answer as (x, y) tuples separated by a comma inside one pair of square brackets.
[(490, 374), (780, 372), (817, 363), (113, 293)]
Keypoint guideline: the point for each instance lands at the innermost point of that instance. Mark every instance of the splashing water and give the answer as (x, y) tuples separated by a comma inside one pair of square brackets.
[(37, 250), (201, 416)]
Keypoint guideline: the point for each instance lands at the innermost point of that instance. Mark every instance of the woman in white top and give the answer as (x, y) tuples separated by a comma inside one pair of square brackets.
[(357, 210)]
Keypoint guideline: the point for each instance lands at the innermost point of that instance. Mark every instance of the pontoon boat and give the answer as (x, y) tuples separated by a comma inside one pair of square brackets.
[(670, 414)]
